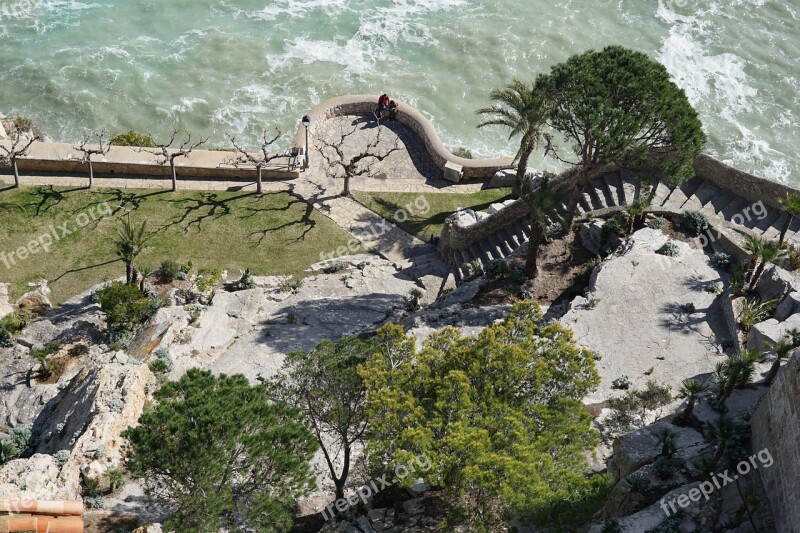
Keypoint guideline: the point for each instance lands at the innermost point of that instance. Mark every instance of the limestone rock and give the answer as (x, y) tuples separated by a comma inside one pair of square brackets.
[(592, 236), (638, 448), (36, 477), (769, 331), (503, 178), (5, 306), (788, 306), (775, 281)]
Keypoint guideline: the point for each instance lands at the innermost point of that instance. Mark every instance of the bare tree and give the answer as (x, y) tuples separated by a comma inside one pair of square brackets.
[(259, 161), (100, 147), (359, 164), (20, 147), (167, 154)]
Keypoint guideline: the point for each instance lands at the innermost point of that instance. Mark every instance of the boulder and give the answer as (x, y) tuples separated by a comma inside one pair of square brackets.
[(503, 178), (592, 236), (788, 306), (775, 281), (5, 306), (36, 478), (639, 448), (769, 331)]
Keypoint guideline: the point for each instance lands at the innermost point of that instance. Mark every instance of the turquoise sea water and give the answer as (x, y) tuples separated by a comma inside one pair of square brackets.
[(237, 65)]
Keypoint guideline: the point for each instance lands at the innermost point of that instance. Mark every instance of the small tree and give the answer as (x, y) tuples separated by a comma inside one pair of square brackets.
[(498, 415), (101, 146), (20, 147), (619, 107), (542, 204), (216, 453), (325, 386), (691, 389), (130, 242), (259, 161), (790, 204), (782, 349), (167, 154), (729, 435), (761, 253), (360, 163), (523, 110)]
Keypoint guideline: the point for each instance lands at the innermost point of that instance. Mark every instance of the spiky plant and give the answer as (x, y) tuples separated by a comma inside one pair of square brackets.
[(728, 435), (762, 252), (524, 111), (691, 389), (782, 348), (635, 211), (130, 242), (669, 445), (790, 204)]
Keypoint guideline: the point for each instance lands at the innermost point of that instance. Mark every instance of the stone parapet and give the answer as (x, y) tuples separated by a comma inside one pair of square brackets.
[(125, 160), (475, 169)]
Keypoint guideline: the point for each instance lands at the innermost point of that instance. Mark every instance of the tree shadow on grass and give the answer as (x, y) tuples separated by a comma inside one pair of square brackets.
[(305, 221), (74, 270), (118, 200), (49, 197), (198, 209)]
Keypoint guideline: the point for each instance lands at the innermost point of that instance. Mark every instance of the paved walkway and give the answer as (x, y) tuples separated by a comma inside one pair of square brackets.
[(409, 169)]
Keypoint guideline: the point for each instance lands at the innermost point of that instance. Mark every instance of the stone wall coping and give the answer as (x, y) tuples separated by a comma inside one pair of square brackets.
[(62, 157), (407, 115)]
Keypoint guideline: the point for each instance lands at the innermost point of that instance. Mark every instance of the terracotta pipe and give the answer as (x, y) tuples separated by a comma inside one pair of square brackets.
[(70, 524), (42, 507), (15, 523)]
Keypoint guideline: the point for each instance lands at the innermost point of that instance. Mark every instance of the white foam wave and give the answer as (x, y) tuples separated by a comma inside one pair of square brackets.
[(186, 104)]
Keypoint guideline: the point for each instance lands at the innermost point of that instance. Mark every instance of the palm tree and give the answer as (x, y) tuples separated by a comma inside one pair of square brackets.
[(761, 252), (727, 433), (129, 244), (524, 111), (146, 272), (667, 439), (790, 204), (782, 348), (542, 203), (635, 210), (736, 372), (691, 389)]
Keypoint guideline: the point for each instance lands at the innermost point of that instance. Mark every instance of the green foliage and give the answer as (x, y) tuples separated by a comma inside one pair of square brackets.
[(498, 414), (637, 483), (604, 102), (670, 249), (161, 362), (125, 305), (130, 242), (169, 270), (722, 261), (8, 451), (672, 524), (630, 411), (16, 321), (205, 432), (616, 225), (6, 340), (497, 268), (115, 478), (207, 278), (754, 311), (472, 270), (656, 223), (290, 285), (246, 281), (325, 386), (27, 125), (133, 138), (694, 222), (665, 468)]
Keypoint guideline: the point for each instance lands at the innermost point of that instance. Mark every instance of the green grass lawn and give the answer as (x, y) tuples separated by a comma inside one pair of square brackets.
[(275, 233), (421, 224)]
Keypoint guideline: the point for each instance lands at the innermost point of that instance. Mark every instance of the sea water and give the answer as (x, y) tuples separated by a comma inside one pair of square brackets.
[(237, 66)]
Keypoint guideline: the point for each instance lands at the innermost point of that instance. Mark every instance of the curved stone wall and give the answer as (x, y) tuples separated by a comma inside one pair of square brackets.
[(410, 117)]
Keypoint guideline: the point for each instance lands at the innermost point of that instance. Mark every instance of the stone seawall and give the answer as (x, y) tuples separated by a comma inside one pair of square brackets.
[(124, 160), (362, 104), (776, 427), (748, 186)]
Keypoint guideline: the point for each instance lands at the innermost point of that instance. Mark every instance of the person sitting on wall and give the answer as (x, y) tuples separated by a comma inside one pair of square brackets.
[(383, 105), (392, 109)]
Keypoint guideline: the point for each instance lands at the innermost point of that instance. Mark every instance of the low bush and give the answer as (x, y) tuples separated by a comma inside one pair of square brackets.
[(670, 249), (16, 321), (133, 138), (462, 152), (472, 270), (207, 278), (694, 222), (616, 225), (656, 223), (6, 340), (665, 468), (497, 268), (169, 270), (722, 261), (125, 306), (161, 362)]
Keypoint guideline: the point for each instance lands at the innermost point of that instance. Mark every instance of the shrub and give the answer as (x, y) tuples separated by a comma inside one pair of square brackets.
[(207, 278), (115, 405), (94, 502), (169, 270), (115, 478), (622, 382), (16, 321), (246, 281), (462, 152), (125, 306), (670, 249), (133, 138), (722, 261), (290, 285), (519, 276), (334, 267), (61, 457), (637, 483), (23, 438), (616, 225), (694, 222), (162, 362), (8, 451), (656, 223), (472, 270), (6, 340), (665, 468), (497, 268), (27, 125), (119, 337)]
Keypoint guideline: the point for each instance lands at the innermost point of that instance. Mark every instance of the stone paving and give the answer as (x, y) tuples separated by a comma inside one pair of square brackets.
[(409, 169)]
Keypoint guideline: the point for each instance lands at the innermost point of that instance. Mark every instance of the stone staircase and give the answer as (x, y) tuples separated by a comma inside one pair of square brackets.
[(619, 188)]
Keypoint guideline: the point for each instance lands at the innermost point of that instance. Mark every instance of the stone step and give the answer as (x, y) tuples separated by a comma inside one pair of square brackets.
[(702, 196), (689, 188), (675, 200), (661, 195), (723, 198), (629, 185), (603, 192), (595, 192), (773, 216), (487, 251), (734, 207), (774, 231), (614, 184)]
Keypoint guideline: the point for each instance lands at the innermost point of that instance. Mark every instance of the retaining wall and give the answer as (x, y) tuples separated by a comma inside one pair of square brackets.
[(365, 104), (125, 160), (776, 427)]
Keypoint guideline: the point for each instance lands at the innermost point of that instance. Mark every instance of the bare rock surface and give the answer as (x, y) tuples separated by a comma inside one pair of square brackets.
[(648, 316)]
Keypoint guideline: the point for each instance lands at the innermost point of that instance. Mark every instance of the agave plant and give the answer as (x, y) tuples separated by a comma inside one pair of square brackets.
[(728, 435), (754, 312), (790, 204), (691, 389), (782, 348), (762, 252)]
